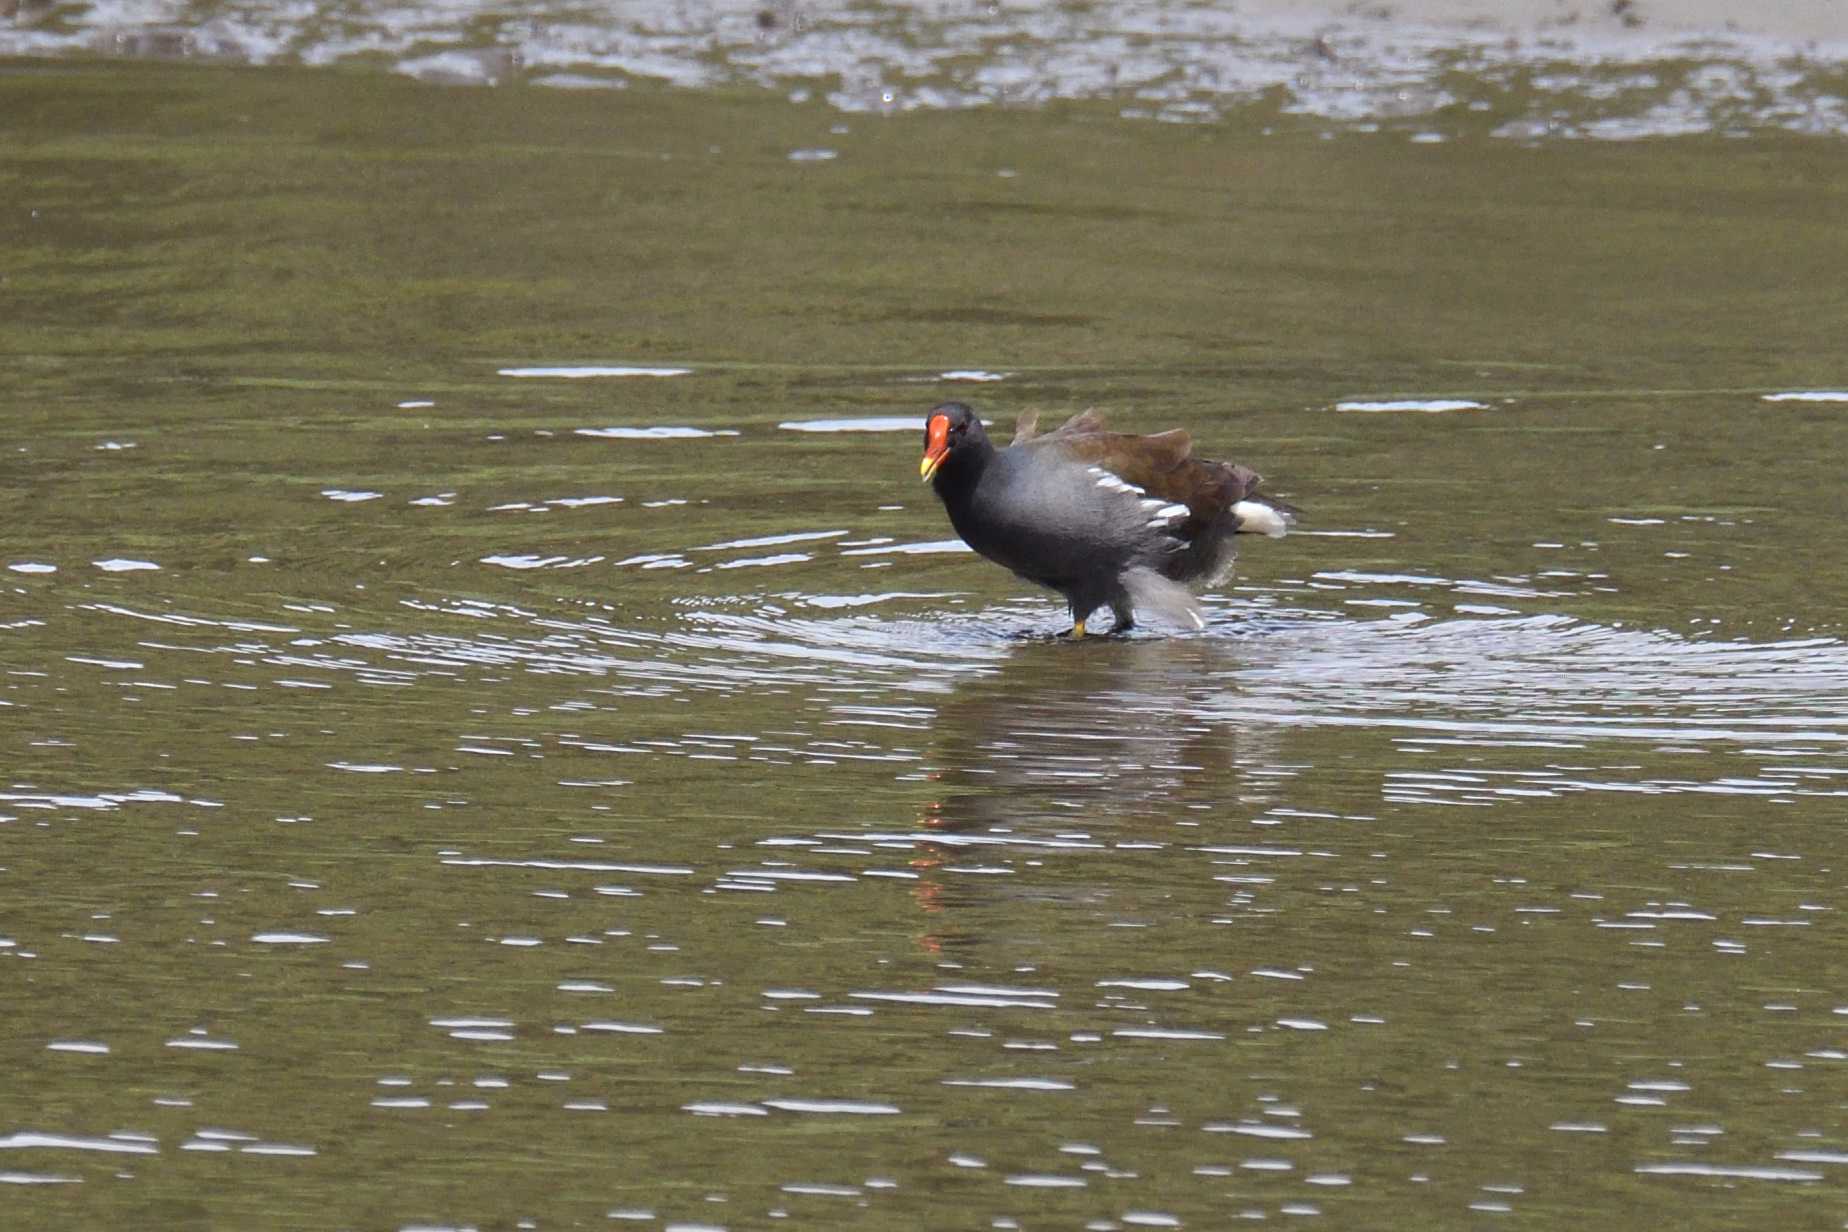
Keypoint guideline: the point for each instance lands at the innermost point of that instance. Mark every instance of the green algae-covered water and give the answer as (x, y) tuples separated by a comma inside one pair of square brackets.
[(494, 734)]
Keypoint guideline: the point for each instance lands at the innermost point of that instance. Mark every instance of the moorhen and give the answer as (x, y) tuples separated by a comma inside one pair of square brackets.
[(1101, 517)]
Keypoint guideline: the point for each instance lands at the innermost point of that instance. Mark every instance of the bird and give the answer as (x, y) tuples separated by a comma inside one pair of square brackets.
[(1101, 517)]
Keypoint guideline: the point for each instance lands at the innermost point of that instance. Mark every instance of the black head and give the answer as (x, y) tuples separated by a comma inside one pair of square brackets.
[(947, 429)]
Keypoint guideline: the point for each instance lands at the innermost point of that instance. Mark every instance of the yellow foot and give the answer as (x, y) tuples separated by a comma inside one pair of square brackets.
[(1077, 630)]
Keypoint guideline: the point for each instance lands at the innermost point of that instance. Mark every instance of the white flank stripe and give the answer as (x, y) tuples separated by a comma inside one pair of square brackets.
[(1112, 483)]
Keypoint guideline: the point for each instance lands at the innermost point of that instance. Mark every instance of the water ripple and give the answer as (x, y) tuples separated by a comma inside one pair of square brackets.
[(1619, 73)]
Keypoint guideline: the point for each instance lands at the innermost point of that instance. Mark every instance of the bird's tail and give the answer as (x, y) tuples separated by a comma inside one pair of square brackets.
[(1151, 592), (1260, 515)]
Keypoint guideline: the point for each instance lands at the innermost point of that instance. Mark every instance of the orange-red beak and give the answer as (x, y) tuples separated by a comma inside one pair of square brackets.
[(936, 445)]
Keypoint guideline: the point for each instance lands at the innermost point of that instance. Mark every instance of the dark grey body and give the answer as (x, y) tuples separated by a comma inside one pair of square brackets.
[(1069, 527)]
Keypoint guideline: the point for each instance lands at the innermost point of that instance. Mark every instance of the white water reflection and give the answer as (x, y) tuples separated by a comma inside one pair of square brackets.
[(945, 872), (1426, 405), (1545, 678), (1616, 72), (1570, 708), (585, 371), (1499, 680), (657, 432), (865, 423)]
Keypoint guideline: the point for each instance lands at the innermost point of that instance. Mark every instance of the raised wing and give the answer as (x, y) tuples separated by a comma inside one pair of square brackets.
[(1162, 465)]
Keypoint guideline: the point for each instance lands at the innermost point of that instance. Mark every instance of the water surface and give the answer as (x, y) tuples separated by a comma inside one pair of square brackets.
[(496, 735)]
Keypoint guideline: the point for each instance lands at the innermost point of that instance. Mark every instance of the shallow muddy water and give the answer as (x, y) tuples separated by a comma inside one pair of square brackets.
[(495, 734)]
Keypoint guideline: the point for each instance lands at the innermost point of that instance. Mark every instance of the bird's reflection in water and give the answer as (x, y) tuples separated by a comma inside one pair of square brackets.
[(1077, 751)]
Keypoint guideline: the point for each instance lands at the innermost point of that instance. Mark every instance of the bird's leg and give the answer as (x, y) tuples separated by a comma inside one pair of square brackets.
[(1125, 616), (1077, 630)]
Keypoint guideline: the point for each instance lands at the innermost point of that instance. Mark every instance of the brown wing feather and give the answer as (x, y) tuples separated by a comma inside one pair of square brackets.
[(1026, 427), (1162, 465), (1091, 420)]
